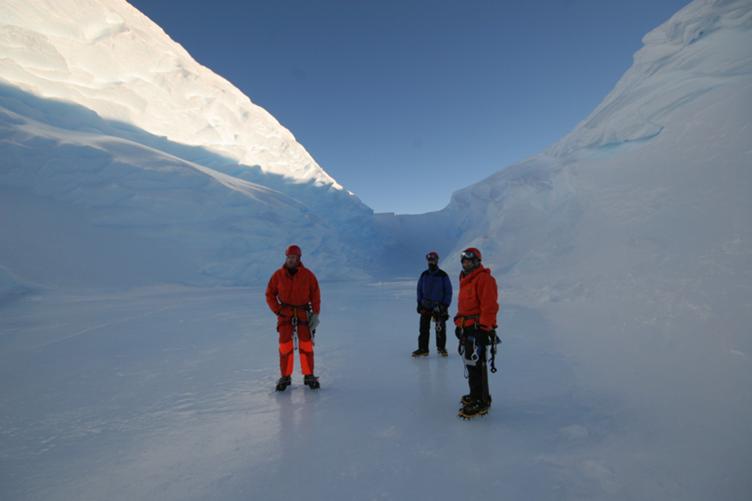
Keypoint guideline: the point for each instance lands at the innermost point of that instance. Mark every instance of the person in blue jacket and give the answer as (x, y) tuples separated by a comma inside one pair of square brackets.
[(434, 298)]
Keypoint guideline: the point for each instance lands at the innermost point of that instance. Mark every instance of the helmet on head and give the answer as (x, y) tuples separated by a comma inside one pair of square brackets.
[(293, 250), (470, 253), (432, 256)]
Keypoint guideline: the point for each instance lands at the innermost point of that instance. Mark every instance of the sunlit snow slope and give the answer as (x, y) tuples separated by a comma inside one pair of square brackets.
[(107, 56), (125, 162)]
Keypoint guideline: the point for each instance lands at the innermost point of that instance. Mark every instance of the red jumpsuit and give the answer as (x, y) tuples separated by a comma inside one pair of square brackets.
[(288, 295)]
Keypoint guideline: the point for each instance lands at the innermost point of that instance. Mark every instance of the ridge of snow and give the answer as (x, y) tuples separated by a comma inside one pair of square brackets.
[(670, 70), (109, 57)]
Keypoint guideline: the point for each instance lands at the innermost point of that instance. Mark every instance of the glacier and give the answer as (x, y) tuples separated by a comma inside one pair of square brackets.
[(138, 359)]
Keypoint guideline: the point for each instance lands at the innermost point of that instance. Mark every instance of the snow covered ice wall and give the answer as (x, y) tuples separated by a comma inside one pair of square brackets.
[(633, 236), (690, 66), (653, 186), (144, 166)]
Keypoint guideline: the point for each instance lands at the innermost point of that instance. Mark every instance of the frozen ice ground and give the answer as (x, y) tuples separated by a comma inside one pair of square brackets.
[(167, 393)]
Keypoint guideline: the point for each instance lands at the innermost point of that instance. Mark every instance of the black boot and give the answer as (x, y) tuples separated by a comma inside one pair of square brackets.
[(420, 353), (283, 383), (468, 399), (311, 381), (474, 409), (443, 352)]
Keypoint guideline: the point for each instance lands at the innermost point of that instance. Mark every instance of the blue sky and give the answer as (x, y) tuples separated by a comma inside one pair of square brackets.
[(404, 102)]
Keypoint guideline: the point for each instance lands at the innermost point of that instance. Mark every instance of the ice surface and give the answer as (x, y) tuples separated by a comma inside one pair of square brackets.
[(168, 394)]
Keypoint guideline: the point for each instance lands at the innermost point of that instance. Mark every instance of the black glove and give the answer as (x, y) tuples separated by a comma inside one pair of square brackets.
[(458, 333), (487, 336), (419, 309)]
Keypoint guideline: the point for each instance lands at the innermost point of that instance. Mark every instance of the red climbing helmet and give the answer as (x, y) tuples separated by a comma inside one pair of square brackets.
[(470, 253), (293, 250)]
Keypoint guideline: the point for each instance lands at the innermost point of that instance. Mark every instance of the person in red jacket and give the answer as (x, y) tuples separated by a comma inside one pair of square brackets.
[(477, 306), (293, 295)]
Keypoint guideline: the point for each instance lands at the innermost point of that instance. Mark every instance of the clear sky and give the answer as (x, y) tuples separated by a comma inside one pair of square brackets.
[(404, 102)]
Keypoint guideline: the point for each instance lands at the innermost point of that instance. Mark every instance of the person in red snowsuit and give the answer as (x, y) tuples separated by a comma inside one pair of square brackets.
[(477, 306), (293, 295)]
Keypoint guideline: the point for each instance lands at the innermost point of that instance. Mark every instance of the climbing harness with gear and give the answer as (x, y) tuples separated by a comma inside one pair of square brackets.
[(295, 321), (439, 317), (492, 359), (472, 349)]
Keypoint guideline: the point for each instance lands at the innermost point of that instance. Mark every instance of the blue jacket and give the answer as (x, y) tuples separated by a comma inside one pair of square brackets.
[(434, 288)]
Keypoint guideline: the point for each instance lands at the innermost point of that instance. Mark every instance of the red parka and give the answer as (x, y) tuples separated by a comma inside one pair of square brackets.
[(478, 299), (286, 290)]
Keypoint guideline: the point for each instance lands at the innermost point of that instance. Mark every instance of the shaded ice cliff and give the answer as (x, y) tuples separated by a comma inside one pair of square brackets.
[(633, 237)]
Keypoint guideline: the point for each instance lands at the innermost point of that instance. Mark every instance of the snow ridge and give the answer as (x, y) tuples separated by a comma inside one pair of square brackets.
[(671, 70), (107, 56)]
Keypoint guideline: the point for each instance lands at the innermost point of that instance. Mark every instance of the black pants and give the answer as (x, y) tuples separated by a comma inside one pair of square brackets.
[(477, 374), (425, 329)]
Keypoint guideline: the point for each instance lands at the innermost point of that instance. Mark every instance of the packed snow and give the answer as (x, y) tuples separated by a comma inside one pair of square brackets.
[(130, 371)]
